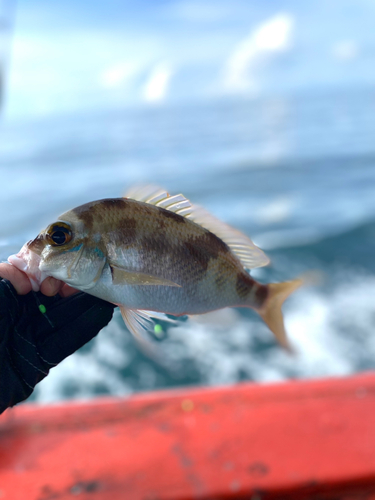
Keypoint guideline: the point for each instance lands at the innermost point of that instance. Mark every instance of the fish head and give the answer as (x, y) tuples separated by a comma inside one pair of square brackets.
[(65, 251)]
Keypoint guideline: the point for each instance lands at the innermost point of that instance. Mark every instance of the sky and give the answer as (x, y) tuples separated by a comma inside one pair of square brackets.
[(78, 56)]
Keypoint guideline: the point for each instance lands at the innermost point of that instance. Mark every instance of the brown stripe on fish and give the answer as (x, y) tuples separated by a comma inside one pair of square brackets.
[(94, 212), (103, 210), (110, 203), (153, 244), (251, 291), (127, 233), (261, 294), (158, 218), (204, 248), (212, 244), (244, 285), (84, 213), (171, 215)]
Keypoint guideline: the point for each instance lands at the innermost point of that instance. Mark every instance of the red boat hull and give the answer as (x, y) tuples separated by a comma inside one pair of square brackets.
[(312, 439)]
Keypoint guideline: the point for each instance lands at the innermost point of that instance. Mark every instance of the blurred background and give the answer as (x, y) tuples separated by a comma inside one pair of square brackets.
[(262, 111)]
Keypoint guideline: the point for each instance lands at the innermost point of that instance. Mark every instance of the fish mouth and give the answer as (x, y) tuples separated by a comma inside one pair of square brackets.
[(28, 262)]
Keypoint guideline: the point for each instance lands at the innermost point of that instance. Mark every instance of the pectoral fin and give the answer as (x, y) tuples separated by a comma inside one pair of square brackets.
[(121, 276), (140, 323)]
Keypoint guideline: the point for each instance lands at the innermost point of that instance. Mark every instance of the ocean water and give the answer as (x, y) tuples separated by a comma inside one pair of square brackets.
[(296, 173)]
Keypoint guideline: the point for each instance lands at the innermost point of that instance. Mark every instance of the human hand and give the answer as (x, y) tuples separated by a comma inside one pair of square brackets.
[(21, 282), (40, 329)]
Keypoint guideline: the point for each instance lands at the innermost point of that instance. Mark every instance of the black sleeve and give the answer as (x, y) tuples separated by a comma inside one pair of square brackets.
[(37, 332)]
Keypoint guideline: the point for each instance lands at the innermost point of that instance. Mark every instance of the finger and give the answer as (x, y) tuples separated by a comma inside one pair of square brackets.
[(67, 291), (19, 280), (51, 286)]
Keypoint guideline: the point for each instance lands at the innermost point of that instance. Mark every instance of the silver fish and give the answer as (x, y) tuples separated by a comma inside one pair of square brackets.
[(152, 253)]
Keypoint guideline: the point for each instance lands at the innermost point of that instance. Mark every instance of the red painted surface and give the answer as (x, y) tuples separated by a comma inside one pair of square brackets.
[(300, 440)]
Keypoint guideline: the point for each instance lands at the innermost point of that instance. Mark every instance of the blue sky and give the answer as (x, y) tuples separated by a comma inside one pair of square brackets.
[(75, 56)]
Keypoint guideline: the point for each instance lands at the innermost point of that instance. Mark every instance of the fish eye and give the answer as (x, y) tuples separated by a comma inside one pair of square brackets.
[(59, 234)]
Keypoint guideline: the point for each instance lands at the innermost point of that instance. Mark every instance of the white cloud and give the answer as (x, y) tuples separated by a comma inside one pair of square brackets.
[(157, 85), (276, 211), (117, 75), (269, 37), (70, 71)]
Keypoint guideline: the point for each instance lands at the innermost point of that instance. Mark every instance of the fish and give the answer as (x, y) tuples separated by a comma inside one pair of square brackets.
[(154, 255)]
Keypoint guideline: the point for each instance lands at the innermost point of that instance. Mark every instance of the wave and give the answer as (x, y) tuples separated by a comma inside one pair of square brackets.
[(353, 247)]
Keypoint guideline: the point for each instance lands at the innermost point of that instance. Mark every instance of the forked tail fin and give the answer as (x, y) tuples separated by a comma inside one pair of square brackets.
[(271, 313)]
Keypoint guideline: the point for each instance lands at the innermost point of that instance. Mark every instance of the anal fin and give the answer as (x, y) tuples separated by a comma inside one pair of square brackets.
[(141, 325)]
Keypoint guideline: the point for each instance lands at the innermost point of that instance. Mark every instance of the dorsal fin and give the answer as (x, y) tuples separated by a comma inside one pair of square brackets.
[(250, 255)]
